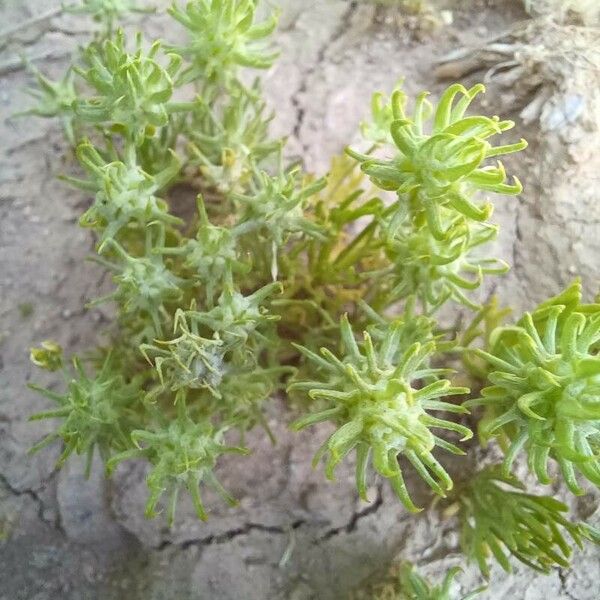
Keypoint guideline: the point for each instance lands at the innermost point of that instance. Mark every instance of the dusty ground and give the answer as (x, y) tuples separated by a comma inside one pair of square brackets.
[(294, 536)]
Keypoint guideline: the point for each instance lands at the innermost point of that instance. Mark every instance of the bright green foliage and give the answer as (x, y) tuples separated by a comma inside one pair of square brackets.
[(410, 585), (373, 401), (425, 244), (227, 141), (54, 99), (48, 356), (124, 193), (96, 412), (545, 388), (233, 270), (435, 229), (498, 519), (131, 90), (440, 270), (223, 37), (183, 453), (441, 169)]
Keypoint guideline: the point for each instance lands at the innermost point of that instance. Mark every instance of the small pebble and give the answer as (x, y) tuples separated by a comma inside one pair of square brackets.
[(48, 515)]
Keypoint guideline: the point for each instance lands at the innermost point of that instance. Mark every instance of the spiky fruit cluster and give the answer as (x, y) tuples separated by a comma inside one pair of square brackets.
[(183, 453), (223, 36), (544, 397), (372, 397), (97, 412), (439, 162), (440, 169)]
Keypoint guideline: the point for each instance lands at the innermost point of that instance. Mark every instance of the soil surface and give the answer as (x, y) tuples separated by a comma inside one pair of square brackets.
[(294, 536)]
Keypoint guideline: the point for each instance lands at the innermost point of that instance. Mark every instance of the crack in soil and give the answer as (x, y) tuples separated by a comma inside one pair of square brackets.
[(227, 536), (562, 575), (17, 64), (37, 499), (321, 56), (247, 528), (356, 517), (7, 34)]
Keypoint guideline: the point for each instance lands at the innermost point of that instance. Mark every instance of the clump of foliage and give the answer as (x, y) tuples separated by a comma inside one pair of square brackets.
[(377, 409), (96, 411), (223, 36), (545, 388), (499, 519), (436, 225), (408, 584), (326, 287)]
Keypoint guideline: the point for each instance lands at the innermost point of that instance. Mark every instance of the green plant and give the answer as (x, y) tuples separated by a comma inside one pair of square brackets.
[(124, 193), (183, 453), (544, 397), (265, 282), (97, 411), (130, 90), (172, 398), (497, 517), (407, 584), (436, 222), (443, 168), (372, 400), (223, 36)]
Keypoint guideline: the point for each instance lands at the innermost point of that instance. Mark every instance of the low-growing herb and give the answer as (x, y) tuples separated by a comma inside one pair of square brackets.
[(371, 397), (499, 519), (545, 388), (262, 281), (406, 583)]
